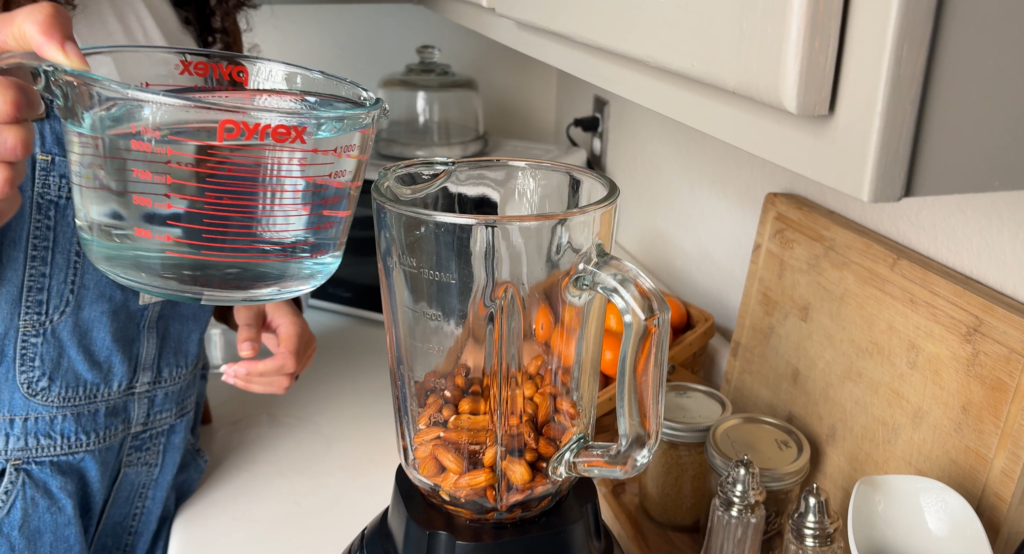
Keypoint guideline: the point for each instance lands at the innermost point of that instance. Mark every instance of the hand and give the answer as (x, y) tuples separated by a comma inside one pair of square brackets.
[(282, 328), (45, 29)]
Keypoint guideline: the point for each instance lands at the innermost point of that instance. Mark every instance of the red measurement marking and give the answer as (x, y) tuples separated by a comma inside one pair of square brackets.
[(336, 214), (262, 148), (241, 203), (220, 194), (257, 224), (190, 226), (233, 259), (145, 84), (182, 208), (357, 156), (248, 238), (258, 156), (173, 152), (242, 245), (240, 253), (238, 174), (252, 188), (252, 170), (336, 184)]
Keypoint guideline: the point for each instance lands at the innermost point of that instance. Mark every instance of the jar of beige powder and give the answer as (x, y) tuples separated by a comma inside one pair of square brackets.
[(674, 489)]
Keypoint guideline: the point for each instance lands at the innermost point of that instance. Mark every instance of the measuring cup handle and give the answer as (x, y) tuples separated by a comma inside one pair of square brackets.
[(33, 69), (640, 378)]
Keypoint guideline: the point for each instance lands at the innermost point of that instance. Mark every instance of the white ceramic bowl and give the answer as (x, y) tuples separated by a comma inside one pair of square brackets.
[(907, 514)]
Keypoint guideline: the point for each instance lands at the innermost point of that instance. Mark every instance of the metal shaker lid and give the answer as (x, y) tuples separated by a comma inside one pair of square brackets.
[(740, 491), (691, 410), (780, 451), (813, 521)]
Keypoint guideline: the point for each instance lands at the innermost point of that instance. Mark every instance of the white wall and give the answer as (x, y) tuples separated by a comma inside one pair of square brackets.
[(690, 206), (364, 42)]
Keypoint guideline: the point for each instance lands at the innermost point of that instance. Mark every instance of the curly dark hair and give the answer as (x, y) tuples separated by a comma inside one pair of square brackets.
[(215, 23)]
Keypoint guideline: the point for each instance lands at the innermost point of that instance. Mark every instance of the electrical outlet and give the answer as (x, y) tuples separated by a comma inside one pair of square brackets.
[(599, 139)]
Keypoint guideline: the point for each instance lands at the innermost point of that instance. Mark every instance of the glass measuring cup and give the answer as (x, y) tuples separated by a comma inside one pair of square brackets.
[(206, 176), (495, 278)]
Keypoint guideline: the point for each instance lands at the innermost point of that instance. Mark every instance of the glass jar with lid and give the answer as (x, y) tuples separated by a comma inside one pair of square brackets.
[(779, 450), (675, 488), (434, 112)]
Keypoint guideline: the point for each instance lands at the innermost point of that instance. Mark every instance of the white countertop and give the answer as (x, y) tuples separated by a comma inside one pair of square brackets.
[(303, 472)]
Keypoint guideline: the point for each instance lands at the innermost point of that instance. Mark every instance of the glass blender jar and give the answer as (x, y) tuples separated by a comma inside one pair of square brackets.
[(435, 112), (496, 275)]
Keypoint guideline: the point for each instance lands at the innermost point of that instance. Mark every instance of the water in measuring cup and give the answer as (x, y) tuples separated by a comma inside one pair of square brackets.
[(216, 210)]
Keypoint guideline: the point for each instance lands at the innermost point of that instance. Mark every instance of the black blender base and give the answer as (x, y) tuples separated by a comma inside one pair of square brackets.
[(413, 525)]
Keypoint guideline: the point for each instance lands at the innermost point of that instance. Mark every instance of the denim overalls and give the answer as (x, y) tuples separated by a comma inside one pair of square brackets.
[(100, 393)]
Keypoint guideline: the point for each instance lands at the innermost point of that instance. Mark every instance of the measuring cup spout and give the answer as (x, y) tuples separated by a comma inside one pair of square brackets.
[(47, 77)]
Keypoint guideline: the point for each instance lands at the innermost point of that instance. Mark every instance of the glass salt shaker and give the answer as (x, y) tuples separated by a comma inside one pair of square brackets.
[(814, 526), (736, 523)]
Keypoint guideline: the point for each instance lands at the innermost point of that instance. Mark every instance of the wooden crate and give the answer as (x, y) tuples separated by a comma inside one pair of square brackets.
[(686, 357)]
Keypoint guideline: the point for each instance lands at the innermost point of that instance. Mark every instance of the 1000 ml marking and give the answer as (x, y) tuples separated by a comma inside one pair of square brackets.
[(437, 276)]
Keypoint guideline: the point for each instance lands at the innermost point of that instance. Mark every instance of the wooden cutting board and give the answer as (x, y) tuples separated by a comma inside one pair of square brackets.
[(889, 362)]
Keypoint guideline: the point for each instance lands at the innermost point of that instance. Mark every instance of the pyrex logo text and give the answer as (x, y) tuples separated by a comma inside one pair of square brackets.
[(229, 129), (217, 70)]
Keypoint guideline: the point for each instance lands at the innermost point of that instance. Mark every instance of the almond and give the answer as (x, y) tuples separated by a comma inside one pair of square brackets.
[(517, 470), (423, 450), (564, 377), (543, 409), (453, 394), (530, 455), (538, 480), (567, 406), (540, 466), (548, 389), (513, 441), (433, 406), (420, 393), (465, 436), (476, 385), (567, 436), (447, 411), (529, 434), (535, 365), (433, 396), (529, 409), (529, 388), (492, 496), (515, 400), (474, 405), (516, 497), (478, 478), (449, 459), (554, 431), (466, 421), (562, 420), (490, 456), (462, 371), (460, 382), (546, 447), (430, 467), (428, 434), (431, 378)]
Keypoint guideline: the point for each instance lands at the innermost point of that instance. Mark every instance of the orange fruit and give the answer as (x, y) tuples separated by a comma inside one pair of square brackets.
[(563, 345), (678, 313), (543, 322), (610, 353), (612, 319)]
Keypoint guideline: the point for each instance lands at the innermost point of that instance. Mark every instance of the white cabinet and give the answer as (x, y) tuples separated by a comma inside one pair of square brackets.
[(741, 71), (778, 52)]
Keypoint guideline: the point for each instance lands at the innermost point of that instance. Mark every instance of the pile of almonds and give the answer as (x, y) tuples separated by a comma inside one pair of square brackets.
[(457, 445)]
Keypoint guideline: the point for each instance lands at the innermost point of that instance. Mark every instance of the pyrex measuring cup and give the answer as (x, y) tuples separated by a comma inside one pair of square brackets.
[(206, 176), (496, 276)]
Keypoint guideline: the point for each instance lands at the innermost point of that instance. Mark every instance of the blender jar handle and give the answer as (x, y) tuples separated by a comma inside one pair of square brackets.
[(645, 340)]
